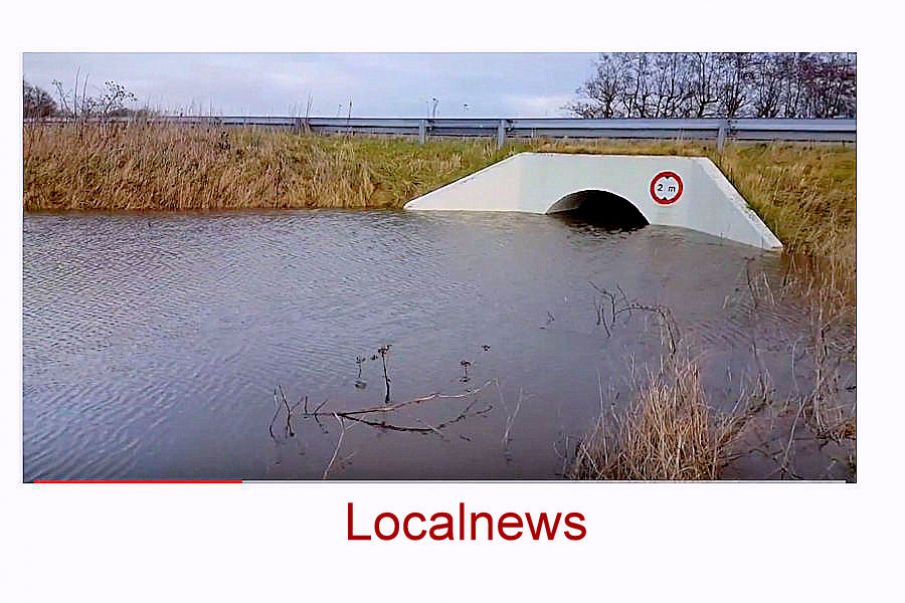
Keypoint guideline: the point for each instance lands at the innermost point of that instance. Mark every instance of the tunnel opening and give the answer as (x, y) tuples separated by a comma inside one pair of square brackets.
[(599, 208)]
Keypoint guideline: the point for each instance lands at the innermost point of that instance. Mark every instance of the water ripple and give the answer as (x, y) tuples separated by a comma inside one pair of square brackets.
[(153, 343)]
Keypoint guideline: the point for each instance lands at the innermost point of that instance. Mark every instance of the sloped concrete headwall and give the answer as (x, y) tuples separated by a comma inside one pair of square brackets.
[(688, 192)]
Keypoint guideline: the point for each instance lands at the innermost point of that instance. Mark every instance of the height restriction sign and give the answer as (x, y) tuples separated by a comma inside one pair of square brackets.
[(666, 188)]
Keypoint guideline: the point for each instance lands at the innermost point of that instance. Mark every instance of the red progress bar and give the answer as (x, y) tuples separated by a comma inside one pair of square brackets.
[(137, 481)]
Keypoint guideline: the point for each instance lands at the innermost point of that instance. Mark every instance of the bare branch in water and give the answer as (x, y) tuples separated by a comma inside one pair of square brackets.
[(609, 306), (376, 417), (510, 416), (339, 443), (283, 402)]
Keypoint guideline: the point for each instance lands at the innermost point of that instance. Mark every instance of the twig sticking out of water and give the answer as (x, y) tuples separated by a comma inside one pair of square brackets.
[(619, 305), (383, 351), (510, 418), (375, 416), (287, 429), (367, 416), (359, 360), (339, 443), (599, 308), (465, 364)]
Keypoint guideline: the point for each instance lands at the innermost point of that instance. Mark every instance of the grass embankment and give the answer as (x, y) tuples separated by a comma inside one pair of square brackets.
[(805, 194), (140, 166)]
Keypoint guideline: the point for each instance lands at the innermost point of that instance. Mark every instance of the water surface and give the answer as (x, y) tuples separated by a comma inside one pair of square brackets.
[(153, 344)]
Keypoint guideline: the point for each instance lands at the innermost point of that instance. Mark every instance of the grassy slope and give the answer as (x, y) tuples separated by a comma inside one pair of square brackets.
[(805, 193), (800, 190), (140, 167)]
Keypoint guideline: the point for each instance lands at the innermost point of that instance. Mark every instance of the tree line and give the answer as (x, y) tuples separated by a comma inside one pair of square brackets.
[(112, 100), (719, 84)]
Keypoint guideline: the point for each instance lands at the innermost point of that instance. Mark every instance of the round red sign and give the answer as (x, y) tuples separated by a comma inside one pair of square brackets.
[(666, 188)]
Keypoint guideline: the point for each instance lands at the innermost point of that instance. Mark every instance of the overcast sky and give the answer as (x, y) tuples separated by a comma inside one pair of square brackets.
[(392, 85)]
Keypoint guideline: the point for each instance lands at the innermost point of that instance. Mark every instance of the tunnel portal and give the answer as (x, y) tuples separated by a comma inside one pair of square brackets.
[(600, 208)]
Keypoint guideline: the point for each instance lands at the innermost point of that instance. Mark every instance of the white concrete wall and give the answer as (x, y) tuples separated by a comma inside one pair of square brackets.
[(534, 182)]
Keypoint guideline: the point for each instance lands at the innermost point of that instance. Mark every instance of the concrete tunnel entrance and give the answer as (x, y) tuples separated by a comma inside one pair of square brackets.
[(620, 190), (600, 208)]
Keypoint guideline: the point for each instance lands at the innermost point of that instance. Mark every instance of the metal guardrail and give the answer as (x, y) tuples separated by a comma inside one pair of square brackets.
[(720, 130)]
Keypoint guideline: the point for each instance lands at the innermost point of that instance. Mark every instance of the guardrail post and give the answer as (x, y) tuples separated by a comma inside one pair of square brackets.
[(422, 131), (721, 134), (501, 134)]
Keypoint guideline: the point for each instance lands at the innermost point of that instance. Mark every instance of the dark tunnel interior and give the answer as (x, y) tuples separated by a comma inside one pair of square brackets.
[(599, 208)]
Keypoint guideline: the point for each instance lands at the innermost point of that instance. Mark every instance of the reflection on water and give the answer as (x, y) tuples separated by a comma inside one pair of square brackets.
[(153, 345)]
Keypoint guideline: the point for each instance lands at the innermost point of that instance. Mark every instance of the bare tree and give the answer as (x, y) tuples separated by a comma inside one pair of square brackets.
[(733, 85), (767, 84), (828, 82), (791, 96), (672, 86), (602, 90), (703, 83), (37, 102), (719, 84), (113, 100), (638, 88)]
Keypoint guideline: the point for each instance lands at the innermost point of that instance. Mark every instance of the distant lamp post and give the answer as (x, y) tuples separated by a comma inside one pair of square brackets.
[(434, 103)]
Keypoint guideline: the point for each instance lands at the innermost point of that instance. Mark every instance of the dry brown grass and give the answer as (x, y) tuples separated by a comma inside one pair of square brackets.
[(807, 196), (668, 432), (806, 193), (154, 167)]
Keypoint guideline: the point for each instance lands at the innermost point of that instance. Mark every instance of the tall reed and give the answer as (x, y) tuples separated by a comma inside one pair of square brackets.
[(668, 432), (158, 167)]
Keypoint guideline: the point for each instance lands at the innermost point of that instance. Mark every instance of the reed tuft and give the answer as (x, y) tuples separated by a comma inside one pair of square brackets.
[(668, 432)]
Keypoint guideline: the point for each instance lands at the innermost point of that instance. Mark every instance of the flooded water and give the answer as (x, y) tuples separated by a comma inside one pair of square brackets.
[(153, 345)]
